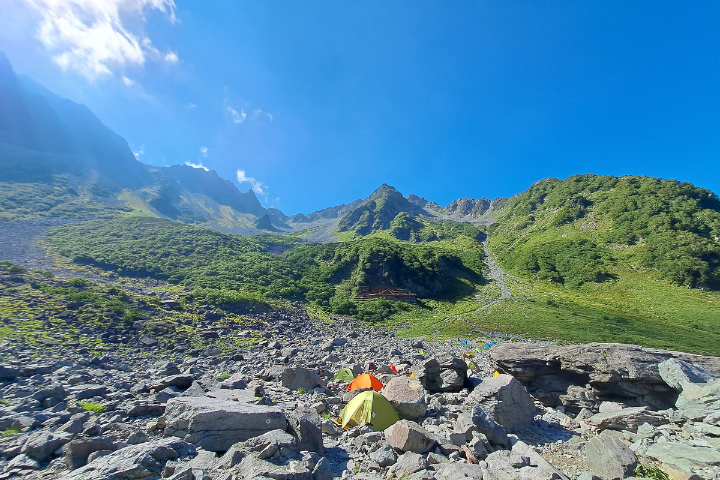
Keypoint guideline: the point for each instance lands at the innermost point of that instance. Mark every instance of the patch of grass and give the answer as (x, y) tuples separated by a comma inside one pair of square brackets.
[(224, 376), (326, 415), (4, 402), (647, 471), (301, 391), (8, 432), (93, 407)]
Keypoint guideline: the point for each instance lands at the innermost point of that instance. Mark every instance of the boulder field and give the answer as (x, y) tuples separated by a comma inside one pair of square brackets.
[(267, 409)]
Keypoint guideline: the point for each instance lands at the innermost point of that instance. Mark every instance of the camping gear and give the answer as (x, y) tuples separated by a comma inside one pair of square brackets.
[(369, 407), (345, 375), (472, 365), (463, 342), (392, 367), (366, 380)]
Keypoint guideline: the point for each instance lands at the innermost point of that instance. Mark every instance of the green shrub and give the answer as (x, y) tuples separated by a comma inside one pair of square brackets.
[(374, 311), (8, 432), (646, 471), (12, 267)]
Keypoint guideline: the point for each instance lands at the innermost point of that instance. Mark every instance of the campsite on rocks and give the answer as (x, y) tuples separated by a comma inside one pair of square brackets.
[(165, 315)]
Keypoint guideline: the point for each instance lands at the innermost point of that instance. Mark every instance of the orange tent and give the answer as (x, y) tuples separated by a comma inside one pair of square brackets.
[(392, 367), (365, 380)]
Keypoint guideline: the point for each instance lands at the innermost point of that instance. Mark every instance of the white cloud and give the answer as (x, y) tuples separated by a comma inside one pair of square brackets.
[(191, 105), (237, 117), (259, 112), (139, 152), (127, 81), (257, 186), (92, 37), (197, 165), (203, 155)]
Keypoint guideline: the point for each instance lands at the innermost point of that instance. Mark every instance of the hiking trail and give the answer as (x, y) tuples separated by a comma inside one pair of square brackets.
[(497, 274)]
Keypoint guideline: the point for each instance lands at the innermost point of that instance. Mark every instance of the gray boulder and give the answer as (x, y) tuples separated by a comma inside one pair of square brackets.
[(295, 378), (408, 436), (409, 463), (252, 467), (678, 373), (384, 456), (626, 419), (506, 400), (8, 374), (610, 458), (41, 445), (520, 462), (407, 395), (179, 381), (216, 425), (83, 392), (135, 461), (456, 471), (444, 373), (274, 437), (305, 424), (77, 451), (684, 454), (55, 391), (580, 376), (236, 381), (478, 420)]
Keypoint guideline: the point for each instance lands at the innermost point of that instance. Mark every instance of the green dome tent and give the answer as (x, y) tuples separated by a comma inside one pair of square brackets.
[(369, 407), (345, 375)]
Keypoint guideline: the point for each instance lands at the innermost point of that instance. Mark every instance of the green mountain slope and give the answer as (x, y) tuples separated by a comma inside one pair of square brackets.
[(273, 265), (572, 231)]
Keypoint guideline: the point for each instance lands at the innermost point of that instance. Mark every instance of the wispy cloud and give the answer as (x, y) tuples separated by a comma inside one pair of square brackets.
[(203, 155), (237, 117), (258, 112), (257, 186), (139, 152), (191, 105), (95, 38), (127, 81), (197, 165)]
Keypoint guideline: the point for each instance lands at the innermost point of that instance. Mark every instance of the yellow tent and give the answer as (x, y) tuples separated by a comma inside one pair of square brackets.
[(369, 407)]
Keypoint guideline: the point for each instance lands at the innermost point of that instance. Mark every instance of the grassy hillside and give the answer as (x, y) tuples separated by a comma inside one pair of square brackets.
[(25, 201), (232, 268), (570, 232), (631, 259)]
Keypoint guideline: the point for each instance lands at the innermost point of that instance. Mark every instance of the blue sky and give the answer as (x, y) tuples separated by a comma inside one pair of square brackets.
[(318, 103)]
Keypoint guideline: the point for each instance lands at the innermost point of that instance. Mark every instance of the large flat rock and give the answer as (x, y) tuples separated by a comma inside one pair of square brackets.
[(215, 424), (558, 375)]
